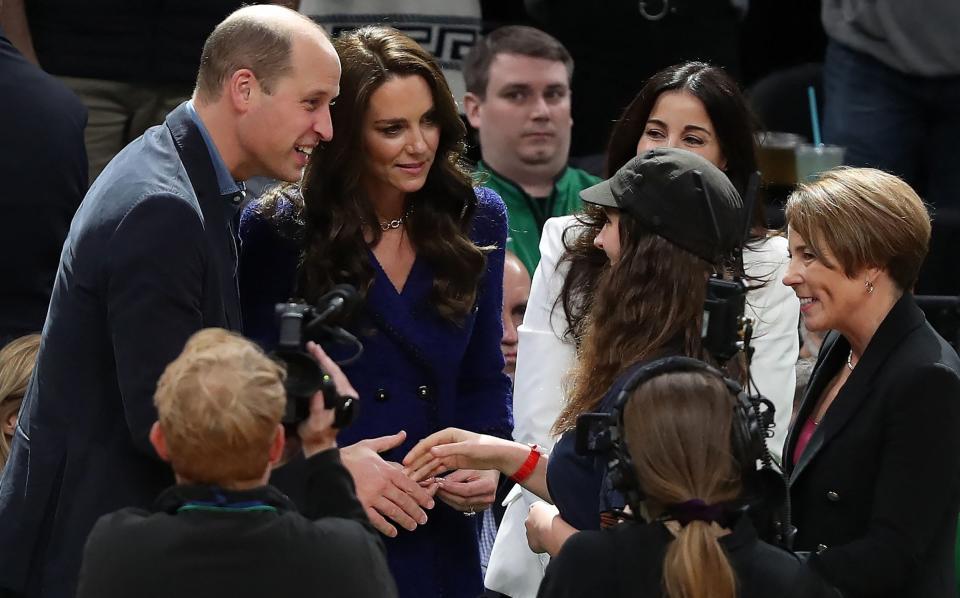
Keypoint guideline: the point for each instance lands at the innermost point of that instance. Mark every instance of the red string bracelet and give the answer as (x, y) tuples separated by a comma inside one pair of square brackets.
[(528, 466)]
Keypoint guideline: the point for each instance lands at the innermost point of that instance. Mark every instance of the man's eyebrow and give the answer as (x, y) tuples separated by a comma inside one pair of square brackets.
[(515, 85)]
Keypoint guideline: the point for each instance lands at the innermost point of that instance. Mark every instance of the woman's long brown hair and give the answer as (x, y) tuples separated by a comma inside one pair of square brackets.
[(334, 207), (677, 429), (651, 298)]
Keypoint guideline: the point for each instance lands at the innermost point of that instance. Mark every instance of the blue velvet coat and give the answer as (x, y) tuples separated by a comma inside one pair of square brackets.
[(418, 373)]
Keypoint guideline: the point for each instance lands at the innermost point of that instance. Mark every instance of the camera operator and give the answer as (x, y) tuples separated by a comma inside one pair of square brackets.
[(683, 446), (222, 530)]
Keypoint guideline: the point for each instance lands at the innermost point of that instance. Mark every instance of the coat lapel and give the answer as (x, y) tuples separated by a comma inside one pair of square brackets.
[(903, 318), (219, 211), (831, 358), (395, 313)]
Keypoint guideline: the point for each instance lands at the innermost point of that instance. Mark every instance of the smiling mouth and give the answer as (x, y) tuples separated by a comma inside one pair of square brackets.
[(414, 166), (304, 149)]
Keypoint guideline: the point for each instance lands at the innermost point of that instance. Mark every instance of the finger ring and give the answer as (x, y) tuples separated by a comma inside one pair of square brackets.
[(470, 513)]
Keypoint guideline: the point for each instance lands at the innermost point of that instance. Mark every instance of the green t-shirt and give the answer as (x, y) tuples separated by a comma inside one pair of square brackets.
[(526, 215)]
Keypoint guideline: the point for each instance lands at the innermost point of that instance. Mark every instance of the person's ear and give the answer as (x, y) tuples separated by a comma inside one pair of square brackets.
[(241, 88), (471, 108), (159, 441), (10, 425), (872, 274), (276, 446)]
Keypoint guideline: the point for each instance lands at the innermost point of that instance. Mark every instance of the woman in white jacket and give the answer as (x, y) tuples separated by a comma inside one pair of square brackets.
[(693, 106)]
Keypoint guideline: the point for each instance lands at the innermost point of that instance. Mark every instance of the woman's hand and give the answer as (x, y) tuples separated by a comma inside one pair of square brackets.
[(469, 490), (546, 530), (454, 448)]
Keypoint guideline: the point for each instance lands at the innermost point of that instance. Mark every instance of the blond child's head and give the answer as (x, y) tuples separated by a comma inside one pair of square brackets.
[(219, 406)]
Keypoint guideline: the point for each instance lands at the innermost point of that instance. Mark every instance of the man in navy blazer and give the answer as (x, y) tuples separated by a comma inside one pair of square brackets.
[(150, 259), (43, 166)]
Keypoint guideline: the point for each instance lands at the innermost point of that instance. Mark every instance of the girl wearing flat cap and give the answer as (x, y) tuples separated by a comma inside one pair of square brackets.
[(673, 219)]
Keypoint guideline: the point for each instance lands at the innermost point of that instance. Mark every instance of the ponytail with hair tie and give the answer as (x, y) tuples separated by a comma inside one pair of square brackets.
[(697, 510)]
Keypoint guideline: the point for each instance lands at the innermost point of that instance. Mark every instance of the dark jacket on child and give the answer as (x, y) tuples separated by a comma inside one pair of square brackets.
[(200, 541)]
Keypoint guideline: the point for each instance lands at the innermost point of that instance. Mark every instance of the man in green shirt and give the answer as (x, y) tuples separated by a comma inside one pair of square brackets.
[(518, 98)]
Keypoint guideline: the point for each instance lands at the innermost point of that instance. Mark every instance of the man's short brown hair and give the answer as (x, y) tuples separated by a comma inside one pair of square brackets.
[(249, 38), (219, 404), (513, 39)]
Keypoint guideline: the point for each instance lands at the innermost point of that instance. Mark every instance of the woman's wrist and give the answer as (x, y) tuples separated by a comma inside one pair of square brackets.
[(514, 456)]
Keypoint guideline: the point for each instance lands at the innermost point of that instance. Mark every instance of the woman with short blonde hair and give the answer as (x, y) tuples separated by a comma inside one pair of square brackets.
[(873, 456)]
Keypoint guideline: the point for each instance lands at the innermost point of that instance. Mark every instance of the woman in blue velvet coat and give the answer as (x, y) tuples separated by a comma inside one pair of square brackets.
[(386, 206)]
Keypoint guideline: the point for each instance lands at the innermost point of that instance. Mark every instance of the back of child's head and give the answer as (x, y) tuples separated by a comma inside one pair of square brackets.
[(17, 359), (219, 404), (677, 428)]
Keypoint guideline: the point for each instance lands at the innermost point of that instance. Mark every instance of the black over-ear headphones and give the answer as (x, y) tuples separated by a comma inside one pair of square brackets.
[(602, 434)]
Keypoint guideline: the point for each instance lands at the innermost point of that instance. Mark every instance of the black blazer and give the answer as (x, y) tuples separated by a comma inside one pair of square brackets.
[(149, 260), (627, 561), (876, 491)]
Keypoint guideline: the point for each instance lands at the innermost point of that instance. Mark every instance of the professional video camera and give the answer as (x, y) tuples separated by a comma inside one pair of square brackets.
[(320, 323)]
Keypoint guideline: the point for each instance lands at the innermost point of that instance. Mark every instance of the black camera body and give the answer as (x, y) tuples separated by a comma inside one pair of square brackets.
[(725, 330), (299, 323)]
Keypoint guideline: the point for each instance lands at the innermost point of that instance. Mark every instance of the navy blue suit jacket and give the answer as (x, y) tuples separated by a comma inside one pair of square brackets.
[(149, 260), (43, 166)]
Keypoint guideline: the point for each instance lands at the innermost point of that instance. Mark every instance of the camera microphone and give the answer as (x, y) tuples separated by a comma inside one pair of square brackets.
[(300, 322), (337, 304)]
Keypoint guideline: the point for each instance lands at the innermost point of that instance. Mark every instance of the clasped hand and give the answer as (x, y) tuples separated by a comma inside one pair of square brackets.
[(393, 494), (387, 490)]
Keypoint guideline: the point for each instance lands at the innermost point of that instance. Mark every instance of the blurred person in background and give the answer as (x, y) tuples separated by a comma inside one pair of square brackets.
[(43, 166), (635, 37), (518, 99), (516, 292), (892, 84), (129, 62)]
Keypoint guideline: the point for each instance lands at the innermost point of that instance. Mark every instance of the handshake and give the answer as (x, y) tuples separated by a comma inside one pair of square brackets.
[(400, 494), (391, 493)]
